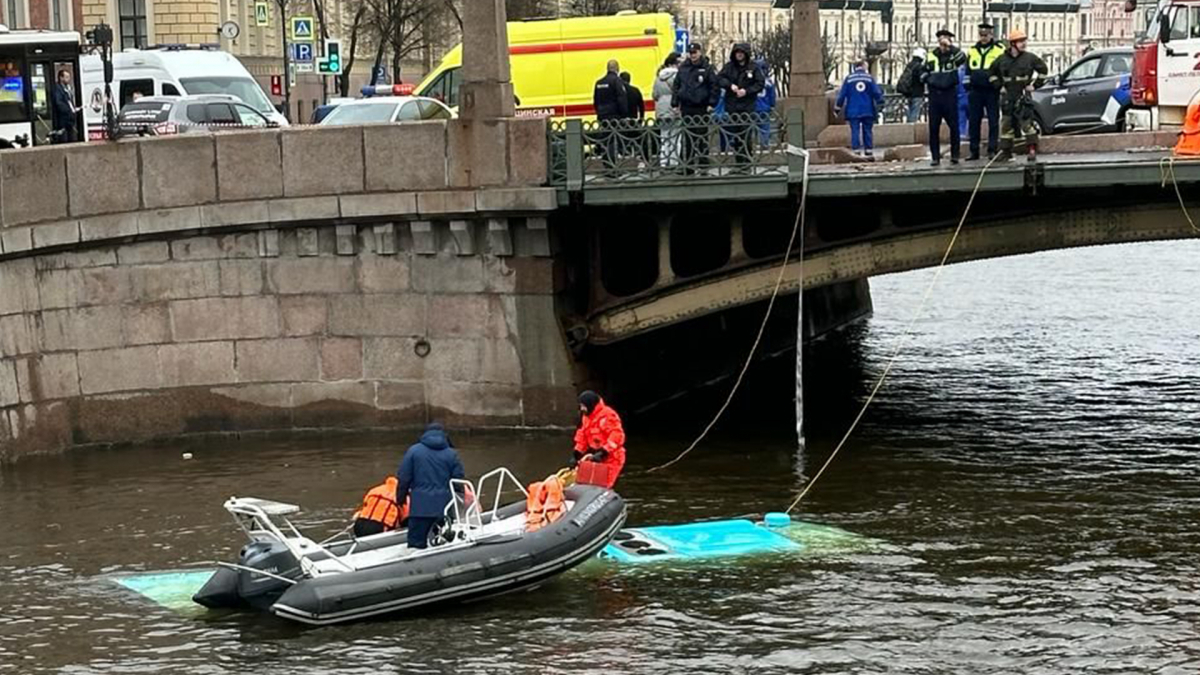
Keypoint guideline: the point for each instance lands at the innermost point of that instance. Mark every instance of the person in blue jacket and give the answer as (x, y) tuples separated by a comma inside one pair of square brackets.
[(765, 104), (425, 474), (860, 98)]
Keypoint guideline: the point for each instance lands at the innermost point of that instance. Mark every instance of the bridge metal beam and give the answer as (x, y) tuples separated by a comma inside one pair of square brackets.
[(897, 254)]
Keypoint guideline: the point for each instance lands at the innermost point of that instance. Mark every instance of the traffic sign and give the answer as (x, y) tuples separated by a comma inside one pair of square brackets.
[(379, 75), (682, 38), (302, 29), (304, 67), (262, 14), (302, 52)]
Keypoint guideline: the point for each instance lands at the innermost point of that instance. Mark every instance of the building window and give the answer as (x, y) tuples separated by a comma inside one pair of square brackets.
[(133, 24), (12, 14), (58, 15)]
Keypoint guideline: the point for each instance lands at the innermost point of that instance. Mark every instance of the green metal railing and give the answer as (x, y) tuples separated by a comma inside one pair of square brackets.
[(681, 150)]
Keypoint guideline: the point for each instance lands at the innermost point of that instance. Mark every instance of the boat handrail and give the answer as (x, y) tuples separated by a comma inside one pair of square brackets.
[(252, 509), (471, 515)]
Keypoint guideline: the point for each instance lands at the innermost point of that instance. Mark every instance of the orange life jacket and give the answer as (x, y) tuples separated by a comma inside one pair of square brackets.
[(546, 504), (379, 505)]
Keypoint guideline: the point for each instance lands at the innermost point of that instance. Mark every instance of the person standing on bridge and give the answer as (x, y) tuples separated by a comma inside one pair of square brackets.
[(941, 77), (611, 101), (911, 87), (599, 453), (695, 95), (741, 80), (1017, 73), (860, 98), (982, 97)]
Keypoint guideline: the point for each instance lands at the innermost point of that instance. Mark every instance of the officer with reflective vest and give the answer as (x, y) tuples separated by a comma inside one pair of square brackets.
[(941, 78), (1017, 73), (379, 512), (982, 97)]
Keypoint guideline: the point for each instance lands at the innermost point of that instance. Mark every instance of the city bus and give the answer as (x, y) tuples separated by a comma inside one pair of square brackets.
[(30, 61)]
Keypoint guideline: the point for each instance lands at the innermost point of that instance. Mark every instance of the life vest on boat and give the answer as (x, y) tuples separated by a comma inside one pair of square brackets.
[(546, 504), (379, 505)]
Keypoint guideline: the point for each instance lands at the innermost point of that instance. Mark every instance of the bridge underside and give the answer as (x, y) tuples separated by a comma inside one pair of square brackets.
[(732, 257)]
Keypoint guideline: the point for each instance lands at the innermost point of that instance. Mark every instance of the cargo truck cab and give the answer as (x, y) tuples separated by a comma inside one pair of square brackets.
[(1166, 65)]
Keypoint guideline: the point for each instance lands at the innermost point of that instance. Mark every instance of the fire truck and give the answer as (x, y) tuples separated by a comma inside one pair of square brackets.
[(1166, 64)]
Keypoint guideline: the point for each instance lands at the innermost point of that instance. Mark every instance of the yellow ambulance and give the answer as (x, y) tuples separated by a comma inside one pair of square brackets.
[(556, 62)]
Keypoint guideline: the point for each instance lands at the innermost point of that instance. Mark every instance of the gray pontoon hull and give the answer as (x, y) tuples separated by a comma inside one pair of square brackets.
[(489, 567)]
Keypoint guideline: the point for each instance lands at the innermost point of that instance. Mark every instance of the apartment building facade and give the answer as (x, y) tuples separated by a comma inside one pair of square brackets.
[(1058, 31)]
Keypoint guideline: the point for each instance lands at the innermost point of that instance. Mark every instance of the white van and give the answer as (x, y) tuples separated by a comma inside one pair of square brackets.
[(168, 71)]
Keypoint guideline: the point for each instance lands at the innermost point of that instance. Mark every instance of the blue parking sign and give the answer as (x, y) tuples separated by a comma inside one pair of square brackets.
[(682, 38), (302, 52)]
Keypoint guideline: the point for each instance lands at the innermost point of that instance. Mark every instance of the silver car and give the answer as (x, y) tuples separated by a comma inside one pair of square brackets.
[(170, 115), (388, 109)]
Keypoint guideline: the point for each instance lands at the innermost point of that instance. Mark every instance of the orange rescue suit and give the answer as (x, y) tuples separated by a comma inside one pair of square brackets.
[(601, 430), (379, 505)]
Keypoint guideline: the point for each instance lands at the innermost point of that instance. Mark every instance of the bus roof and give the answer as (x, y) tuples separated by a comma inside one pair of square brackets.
[(22, 37)]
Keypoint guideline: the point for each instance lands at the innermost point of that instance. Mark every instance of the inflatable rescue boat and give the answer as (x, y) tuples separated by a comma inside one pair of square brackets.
[(475, 554)]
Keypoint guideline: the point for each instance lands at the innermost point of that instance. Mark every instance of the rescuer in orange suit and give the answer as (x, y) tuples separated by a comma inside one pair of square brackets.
[(599, 439), (379, 512)]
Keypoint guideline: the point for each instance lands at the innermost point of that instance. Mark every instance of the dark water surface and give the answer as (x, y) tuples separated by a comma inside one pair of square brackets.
[(1031, 473)]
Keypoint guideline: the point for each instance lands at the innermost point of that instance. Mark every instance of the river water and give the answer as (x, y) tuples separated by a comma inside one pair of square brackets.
[(1028, 484)]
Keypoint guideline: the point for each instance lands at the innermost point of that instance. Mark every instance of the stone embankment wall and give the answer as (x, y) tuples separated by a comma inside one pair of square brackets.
[(306, 278)]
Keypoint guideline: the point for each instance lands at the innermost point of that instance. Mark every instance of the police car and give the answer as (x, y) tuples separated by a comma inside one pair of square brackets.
[(388, 103)]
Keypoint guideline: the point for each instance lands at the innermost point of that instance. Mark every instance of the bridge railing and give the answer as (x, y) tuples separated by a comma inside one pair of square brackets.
[(616, 152)]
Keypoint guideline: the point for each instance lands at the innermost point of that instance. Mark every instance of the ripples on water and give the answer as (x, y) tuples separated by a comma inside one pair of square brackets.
[(1030, 472)]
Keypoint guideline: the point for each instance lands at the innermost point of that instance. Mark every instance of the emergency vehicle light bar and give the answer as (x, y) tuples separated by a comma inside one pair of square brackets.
[(401, 89)]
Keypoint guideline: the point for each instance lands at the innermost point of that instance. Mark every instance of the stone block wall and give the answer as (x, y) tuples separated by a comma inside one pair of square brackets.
[(336, 325)]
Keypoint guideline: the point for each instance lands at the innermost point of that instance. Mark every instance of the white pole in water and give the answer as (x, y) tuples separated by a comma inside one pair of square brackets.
[(800, 360)]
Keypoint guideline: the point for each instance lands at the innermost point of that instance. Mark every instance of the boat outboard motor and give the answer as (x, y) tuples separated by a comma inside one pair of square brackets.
[(238, 587)]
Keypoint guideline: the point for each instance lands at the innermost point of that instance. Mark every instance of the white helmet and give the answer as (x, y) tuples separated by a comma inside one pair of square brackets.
[(919, 53)]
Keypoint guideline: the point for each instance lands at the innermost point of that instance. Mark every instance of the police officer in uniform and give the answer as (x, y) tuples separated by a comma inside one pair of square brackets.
[(610, 97), (941, 78), (1017, 73), (982, 97)]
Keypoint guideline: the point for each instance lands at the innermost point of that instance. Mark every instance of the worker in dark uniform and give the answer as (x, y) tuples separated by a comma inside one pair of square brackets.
[(941, 79), (1017, 73), (695, 94), (611, 100), (982, 97)]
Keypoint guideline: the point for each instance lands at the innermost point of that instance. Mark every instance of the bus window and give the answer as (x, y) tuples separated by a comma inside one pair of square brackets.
[(12, 92), (131, 87)]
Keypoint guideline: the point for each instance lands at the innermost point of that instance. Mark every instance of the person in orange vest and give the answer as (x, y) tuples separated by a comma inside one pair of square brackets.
[(379, 512), (600, 438)]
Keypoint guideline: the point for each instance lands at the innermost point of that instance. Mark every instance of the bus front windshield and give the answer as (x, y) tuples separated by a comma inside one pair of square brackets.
[(241, 87)]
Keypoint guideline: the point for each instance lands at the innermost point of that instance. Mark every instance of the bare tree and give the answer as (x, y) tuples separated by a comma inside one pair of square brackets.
[(531, 9), (776, 48), (355, 30)]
